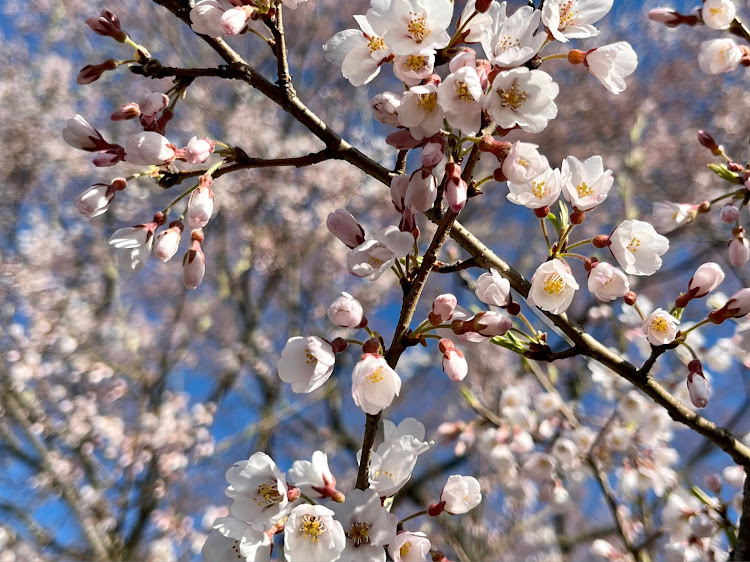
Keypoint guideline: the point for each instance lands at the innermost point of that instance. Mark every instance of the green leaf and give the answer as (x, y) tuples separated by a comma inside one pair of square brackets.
[(723, 172)]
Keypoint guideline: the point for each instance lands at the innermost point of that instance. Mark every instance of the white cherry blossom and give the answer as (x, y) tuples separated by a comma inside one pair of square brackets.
[(461, 494), (719, 55), (148, 148), (607, 283), (610, 64), (359, 53), (572, 19), (205, 17), (411, 69), (718, 14), (667, 215), (374, 383), (308, 475), (460, 95), (367, 525), (524, 162), (538, 193), (311, 533), (585, 184), (306, 363), (410, 547), (373, 257), (346, 311), (258, 490), (553, 286), (522, 97), (637, 247), (95, 200), (492, 288), (510, 41), (409, 26), (421, 112), (232, 539), (660, 327)]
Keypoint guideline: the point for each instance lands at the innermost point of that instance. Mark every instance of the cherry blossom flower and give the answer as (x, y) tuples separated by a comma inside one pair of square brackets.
[(311, 533), (667, 215), (345, 227), (200, 205), (607, 283), (148, 148), (421, 112), (409, 26), (312, 477), (718, 14), (346, 311), (153, 103), (524, 163), (258, 490), (374, 383), (410, 433), (421, 191), (637, 247), (461, 494), (385, 108), (194, 262), (409, 547), (572, 19), (719, 55), (553, 286), (233, 539), (492, 288), (585, 184), (739, 251), (205, 17), (306, 363), (97, 198), (412, 69), (706, 278), (538, 193), (510, 41), (168, 241), (135, 242), (461, 96), (524, 98), (610, 64), (729, 213), (79, 134), (660, 327), (234, 21), (479, 22), (442, 309), (373, 257), (737, 306), (198, 150), (454, 363), (359, 53), (367, 525), (698, 386)]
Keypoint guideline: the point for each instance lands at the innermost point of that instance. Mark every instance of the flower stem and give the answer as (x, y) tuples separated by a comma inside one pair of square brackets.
[(412, 516)]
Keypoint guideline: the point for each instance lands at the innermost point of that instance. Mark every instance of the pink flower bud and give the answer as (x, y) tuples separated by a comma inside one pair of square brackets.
[(200, 207), (198, 150), (399, 185), (346, 311), (736, 307), (79, 134), (491, 323), (707, 277), (454, 363), (194, 262), (385, 108), (128, 111), (233, 21), (698, 387), (345, 227), (168, 241), (402, 140), (432, 154), (729, 213), (670, 18), (92, 72), (153, 103), (108, 25), (107, 158), (456, 193), (442, 309), (739, 251), (148, 149), (95, 200), (421, 191)]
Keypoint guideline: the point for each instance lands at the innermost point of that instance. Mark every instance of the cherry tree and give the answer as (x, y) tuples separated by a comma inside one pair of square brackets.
[(578, 344)]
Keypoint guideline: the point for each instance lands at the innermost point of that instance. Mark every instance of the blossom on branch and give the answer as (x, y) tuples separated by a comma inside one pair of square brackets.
[(572, 19), (311, 533), (306, 363), (359, 53), (374, 383), (553, 286), (367, 525), (258, 490), (637, 247), (523, 98)]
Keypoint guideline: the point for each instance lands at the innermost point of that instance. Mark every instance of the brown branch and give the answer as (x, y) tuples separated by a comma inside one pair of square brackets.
[(742, 548), (440, 267)]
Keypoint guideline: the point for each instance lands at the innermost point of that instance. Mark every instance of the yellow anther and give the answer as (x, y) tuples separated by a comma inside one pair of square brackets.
[(513, 97)]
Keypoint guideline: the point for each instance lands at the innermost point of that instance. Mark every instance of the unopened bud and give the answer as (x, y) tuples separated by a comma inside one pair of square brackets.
[(670, 18), (345, 227), (293, 493), (108, 25), (729, 213), (436, 509), (630, 298), (498, 148), (577, 217), (601, 241), (576, 56), (735, 167), (92, 72), (128, 111), (708, 141), (542, 212), (442, 309), (371, 346), (699, 389)]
